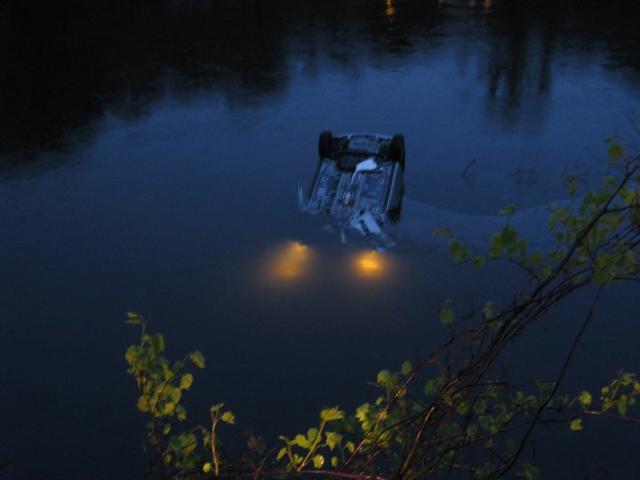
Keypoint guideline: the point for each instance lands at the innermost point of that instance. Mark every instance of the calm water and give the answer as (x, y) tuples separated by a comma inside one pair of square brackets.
[(149, 161)]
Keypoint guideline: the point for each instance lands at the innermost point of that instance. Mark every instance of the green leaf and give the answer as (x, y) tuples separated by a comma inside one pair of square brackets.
[(175, 443), (331, 414), (175, 395), (442, 232), (576, 425), (472, 431), (629, 195), (458, 251), (197, 358), (350, 446), (362, 414), (333, 439), (615, 152), (181, 413), (186, 381), (503, 240), (480, 407), (486, 422), (131, 355), (157, 341), (446, 316), (534, 259), (301, 441), (189, 443), (166, 371), (462, 408), (571, 180), (406, 368), (134, 318), (281, 453), (545, 273), (488, 310), (479, 261), (384, 377), (495, 247), (509, 236), (143, 403), (168, 408), (508, 210), (433, 385), (584, 398), (206, 468), (622, 405), (318, 461), (334, 462), (312, 434), (530, 471), (228, 417)]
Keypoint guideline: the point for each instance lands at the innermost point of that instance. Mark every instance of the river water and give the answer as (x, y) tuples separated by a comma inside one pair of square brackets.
[(150, 154)]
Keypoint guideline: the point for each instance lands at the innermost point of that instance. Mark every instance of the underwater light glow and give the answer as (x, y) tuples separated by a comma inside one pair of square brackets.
[(290, 262), (389, 11), (370, 264)]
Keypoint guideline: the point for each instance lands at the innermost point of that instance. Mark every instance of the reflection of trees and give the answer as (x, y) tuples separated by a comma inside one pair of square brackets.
[(63, 66), (508, 59), (519, 56), (523, 37)]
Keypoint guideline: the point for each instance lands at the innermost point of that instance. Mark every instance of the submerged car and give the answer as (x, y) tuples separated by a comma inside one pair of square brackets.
[(358, 182)]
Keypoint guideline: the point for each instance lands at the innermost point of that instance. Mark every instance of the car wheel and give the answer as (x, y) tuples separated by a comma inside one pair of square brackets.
[(394, 214), (396, 149), (325, 144)]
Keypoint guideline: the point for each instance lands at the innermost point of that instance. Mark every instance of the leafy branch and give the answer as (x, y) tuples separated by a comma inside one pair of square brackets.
[(453, 410)]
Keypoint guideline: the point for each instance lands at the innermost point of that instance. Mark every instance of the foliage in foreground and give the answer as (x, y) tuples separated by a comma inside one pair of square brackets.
[(454, 412)]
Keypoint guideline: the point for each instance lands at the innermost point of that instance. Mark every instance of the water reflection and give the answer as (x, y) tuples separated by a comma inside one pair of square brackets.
[(59, 76), (217, 106)]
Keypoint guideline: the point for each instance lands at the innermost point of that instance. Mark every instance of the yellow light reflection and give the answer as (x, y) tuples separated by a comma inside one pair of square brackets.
[(370, 264), (290, 262), (389, 11)]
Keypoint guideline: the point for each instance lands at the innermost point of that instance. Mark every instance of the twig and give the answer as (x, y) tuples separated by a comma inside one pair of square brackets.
[(285, 473), (214, 453), (416, 440), (557, 383), (469, 165)]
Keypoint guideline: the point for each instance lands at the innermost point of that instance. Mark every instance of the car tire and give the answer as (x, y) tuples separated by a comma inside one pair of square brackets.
[(394, 214), (325, 144), (396, 149)]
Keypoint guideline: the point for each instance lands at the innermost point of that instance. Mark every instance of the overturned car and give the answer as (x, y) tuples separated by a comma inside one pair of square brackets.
[(358, 182)]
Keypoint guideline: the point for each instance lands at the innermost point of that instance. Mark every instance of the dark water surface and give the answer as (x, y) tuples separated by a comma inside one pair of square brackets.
[(149, 158)]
